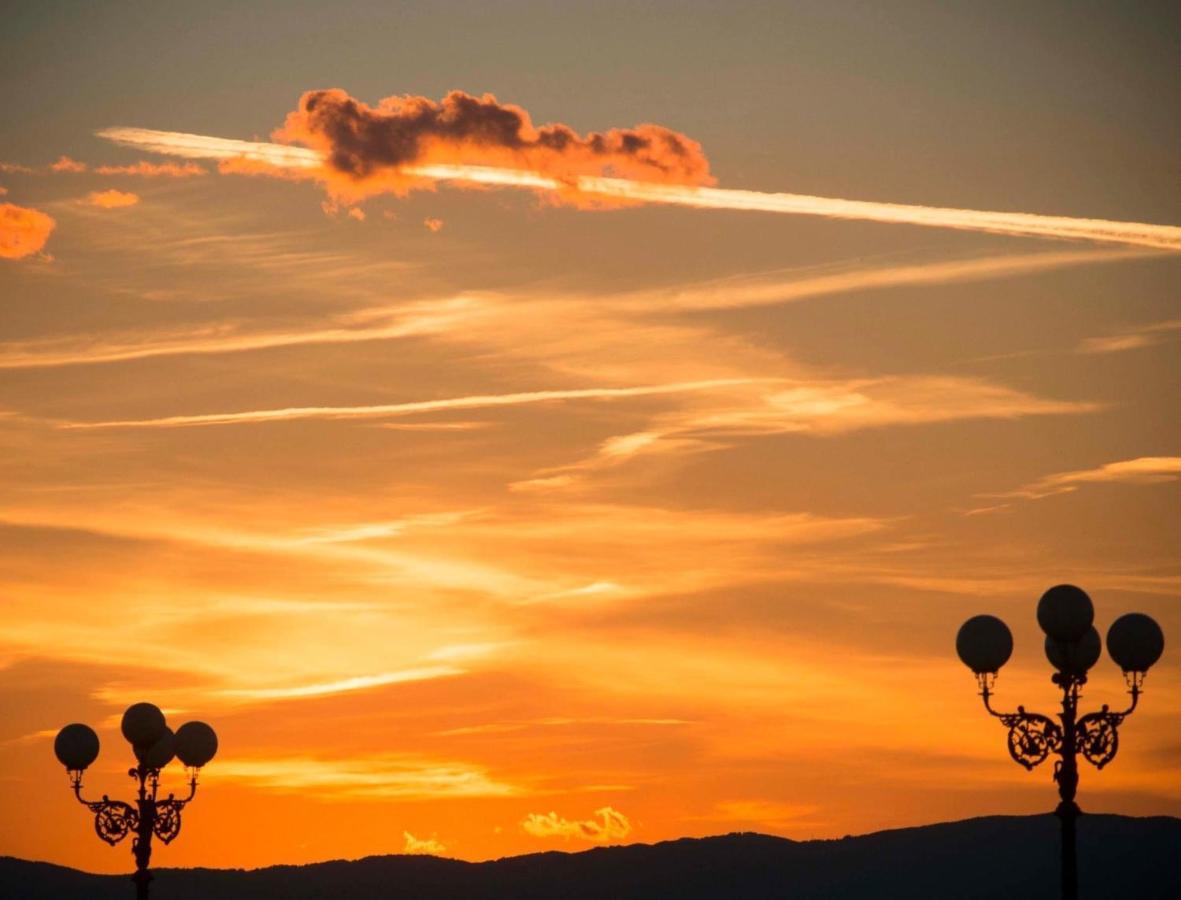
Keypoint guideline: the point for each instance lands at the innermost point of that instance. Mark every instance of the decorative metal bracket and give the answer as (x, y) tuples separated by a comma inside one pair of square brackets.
[(1032, 737), (167, 822), (113, 819)]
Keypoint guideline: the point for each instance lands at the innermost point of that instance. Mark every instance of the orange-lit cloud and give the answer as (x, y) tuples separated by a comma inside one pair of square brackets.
[(609, 825), (422, 846), (433, 224), (352, 176), (142, 168), (112, 199), (1142, 470), (367, 149), (65, 164), (154, 170), (357, 214), (23, 231)]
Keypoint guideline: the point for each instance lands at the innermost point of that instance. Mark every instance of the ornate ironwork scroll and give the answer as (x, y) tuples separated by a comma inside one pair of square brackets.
[(167, 824), (1097, 736), (113, 819), (1032, 737)]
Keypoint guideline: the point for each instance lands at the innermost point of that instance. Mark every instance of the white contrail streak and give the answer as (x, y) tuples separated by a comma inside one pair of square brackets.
[(476, 401), (1163, 237)]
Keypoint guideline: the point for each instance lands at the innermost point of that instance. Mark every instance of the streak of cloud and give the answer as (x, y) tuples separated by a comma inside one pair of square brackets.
[(1142, 470), (23, 231), (610, 825), (1136, 339), (341, 686), (142, 168), (816, 408), (764, 291), (363, 325), (147, 169), (435, 317), (390, 777), (308, 163), (477, 401)]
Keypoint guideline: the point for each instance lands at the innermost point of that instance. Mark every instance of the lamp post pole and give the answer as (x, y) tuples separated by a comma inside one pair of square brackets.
[(155, 746), (1134, 641)]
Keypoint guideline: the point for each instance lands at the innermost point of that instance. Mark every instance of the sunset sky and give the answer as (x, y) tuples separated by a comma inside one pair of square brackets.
[(482, 520)]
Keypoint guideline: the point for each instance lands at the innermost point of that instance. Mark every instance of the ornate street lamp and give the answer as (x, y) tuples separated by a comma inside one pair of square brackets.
[(1065, 614), (155, 746)]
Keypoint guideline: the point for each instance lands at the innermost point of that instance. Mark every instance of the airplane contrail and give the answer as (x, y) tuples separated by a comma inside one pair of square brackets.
[(283, 156)]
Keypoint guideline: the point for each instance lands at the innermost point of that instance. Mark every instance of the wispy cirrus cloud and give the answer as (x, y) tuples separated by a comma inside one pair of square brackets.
[(378, 411), (849, 278), (384, 776), (1131, 339), (340, 686), (810, 407), (1141, 470), (405, 320), (429, 317)]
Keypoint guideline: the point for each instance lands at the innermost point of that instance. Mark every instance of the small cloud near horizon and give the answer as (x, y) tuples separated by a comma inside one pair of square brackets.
[(111, 199), (422, 846), (609, 825)]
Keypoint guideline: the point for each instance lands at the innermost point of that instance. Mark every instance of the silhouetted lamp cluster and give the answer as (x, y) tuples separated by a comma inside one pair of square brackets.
[(155, 745), (1066, 615)]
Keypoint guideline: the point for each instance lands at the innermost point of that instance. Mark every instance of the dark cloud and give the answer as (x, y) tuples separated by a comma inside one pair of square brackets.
[(366, 144)]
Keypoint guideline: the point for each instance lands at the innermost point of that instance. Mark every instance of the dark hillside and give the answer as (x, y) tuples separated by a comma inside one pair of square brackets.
[(979, 858)]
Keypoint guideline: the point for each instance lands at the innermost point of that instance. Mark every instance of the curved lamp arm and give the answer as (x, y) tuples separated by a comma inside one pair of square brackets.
[(1032, 736), (76, 785), (1135, 692), (113, 819), (986, 694), (172, 798)]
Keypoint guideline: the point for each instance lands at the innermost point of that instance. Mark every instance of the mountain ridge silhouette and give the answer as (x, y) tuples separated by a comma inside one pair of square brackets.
[(1011, 856)]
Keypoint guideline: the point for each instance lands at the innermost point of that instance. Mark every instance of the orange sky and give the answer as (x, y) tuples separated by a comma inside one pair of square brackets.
[(479, 524)]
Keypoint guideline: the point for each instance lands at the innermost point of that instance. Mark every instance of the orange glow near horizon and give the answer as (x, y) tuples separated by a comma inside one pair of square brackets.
[(623, 504)]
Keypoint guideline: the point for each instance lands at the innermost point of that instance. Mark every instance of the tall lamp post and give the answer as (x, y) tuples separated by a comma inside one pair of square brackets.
[(1065, 613), (155, 745)]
